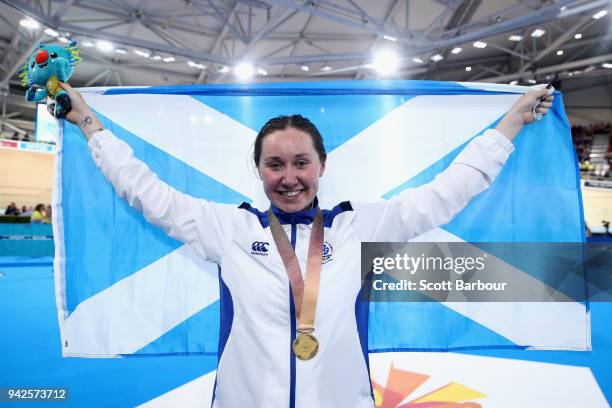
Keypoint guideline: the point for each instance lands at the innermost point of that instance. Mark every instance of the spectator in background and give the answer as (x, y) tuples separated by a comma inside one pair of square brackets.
[(39, 214), (11, 209), (48, 216), (26, 211)]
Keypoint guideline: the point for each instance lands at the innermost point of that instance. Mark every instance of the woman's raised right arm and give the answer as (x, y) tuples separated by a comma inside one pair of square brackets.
[(200, 224)]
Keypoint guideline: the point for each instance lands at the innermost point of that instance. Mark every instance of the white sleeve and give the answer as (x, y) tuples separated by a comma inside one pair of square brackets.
[(202, 225), (418, 210)]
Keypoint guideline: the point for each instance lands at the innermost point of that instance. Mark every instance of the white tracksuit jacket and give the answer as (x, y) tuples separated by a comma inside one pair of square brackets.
[(256, 366)]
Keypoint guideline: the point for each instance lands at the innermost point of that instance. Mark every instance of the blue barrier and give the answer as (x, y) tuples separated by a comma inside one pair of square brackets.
[(26, 240)]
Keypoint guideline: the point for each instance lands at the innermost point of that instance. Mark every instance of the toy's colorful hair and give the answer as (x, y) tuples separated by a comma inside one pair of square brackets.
[(24, 76), (74, 53)]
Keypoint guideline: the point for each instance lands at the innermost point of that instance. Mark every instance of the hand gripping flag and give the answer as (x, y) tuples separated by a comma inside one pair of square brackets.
[(124, 288)]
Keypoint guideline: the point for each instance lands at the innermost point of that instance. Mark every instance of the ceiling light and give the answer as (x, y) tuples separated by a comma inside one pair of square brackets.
[(141, 53), (589, 69), (223, 69), (386, 62), (607, 65), (244, 70), (600, 14), (563, 8), (417, 60), (326, 68), (480, 44), (51, 32), (538, 32), (192, 64), (468, 69), (262, 72), (513, 82), (169, 59), (156, 57), (436, 58), (305, 68), (120, 51), (200, 66), (515, 38), (87, 44), (104, 46), (390, 38), (64, 40), (29, 23), (578, 36), (531, 81), (456, 50), (560, 52)]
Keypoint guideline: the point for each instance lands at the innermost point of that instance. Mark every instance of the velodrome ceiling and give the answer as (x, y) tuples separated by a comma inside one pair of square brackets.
[(155, 42)]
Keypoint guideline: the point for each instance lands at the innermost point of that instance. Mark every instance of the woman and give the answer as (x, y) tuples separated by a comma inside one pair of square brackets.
[(39, 214), (303, 344)]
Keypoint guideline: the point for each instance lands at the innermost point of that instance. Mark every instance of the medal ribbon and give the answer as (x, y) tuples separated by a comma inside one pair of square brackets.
[(305, 294)]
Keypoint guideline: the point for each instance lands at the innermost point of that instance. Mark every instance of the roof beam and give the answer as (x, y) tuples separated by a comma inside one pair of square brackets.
[(134, 42), (552, 69)]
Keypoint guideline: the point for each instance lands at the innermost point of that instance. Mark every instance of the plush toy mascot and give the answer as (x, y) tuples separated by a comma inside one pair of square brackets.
[(47, 66)]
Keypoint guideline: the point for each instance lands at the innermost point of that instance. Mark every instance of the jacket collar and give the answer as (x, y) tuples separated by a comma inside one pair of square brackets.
[(300, 217)]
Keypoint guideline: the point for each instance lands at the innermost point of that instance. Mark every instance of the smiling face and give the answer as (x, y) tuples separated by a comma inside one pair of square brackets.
[(290, 169)]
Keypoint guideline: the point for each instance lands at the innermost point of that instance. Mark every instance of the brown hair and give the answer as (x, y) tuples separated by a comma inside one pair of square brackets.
[(284, 122)]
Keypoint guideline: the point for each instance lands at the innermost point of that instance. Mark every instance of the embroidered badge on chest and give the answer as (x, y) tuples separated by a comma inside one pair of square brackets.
[(328, 251)]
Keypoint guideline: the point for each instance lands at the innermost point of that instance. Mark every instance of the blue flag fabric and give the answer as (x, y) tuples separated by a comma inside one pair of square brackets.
[(125, 288)]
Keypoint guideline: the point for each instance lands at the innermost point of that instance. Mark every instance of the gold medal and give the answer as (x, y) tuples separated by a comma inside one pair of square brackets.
[(305, 346)]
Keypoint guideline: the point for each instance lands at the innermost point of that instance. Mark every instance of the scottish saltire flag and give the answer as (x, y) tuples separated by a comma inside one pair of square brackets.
[(123, 288)]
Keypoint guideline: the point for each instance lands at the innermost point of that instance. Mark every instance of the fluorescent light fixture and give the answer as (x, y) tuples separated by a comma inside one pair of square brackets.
[(305, 68), (169, 59), (417, 60), (607, 65), (560, 52), (570, 74), (142, 53), (29, 23), (538, 32), (120, 51), (326, 68), (262, 72), (456, 50), (480, 44), (64, 40), (531, 81), (578, 36), (223, 69), (87, 44), (244, 70), (513, 82), (600, 14), (468, 69), (386, 62), (192, 64), (563, 8), (390, 38), (436, 58), (51, 32), (156, 57), (105, 46), (515, 37), (200, 66)]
